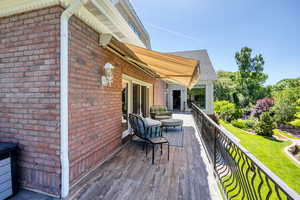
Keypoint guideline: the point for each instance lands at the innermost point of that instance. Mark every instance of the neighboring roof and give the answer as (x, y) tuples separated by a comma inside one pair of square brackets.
[(207, 71)]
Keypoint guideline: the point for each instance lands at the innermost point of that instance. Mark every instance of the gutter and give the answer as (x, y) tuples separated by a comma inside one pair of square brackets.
[(64, 65)]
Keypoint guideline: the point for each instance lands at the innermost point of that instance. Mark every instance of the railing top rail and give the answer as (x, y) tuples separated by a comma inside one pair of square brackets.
[(215, 124), (285, 188)]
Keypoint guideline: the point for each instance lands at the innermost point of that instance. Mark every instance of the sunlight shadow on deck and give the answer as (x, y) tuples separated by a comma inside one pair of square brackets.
[(130, 175)]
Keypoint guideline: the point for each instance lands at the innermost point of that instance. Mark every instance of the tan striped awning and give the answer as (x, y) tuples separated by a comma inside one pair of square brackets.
[(180, 70)]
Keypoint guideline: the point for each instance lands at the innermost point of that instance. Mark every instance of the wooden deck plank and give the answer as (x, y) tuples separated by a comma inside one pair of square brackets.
[(130, 175)]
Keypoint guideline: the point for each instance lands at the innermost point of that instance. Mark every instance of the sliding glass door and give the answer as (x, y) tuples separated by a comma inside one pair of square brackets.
[(140, 100), (145, 101), (136, 99), (125, 105)]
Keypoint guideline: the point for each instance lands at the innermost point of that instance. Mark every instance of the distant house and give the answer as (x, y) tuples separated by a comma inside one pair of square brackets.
[(177, 95), (71, 71)]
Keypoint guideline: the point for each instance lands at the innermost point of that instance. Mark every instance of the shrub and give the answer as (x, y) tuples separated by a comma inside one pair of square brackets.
[(250, 123), (265, 125), (225, 110), (239, 123), (238, 113), (244, 124), (262, 105)]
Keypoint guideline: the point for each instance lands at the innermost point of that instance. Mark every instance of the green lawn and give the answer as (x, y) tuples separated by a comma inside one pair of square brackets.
[(270, 153)]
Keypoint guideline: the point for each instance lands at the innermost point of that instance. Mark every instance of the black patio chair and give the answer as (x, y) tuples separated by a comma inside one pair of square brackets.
[(150, 133)]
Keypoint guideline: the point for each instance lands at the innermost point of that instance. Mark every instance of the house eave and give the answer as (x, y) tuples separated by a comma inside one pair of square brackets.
[(115, 24), (127, 7)]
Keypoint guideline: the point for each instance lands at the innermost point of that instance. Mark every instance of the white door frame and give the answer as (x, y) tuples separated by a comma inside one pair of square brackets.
[(183, 96), (130, 80)]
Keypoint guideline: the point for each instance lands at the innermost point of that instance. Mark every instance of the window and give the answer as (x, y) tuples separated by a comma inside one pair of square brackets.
[(197, 95), (135, 30)]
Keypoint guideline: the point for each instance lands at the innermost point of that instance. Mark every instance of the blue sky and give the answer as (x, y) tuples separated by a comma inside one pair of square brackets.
[(269, 27)]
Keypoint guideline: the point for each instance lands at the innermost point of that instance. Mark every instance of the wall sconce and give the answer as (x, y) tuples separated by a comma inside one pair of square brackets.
[(108, 78)]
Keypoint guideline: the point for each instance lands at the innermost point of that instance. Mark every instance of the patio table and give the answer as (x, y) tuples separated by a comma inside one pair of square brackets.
[(167, 123)]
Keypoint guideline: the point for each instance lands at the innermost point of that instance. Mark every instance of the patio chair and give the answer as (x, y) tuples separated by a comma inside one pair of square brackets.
[(150, 131), (160, 112)]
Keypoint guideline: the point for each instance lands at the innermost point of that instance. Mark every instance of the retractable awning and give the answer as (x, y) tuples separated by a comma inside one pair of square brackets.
[(180, 70)]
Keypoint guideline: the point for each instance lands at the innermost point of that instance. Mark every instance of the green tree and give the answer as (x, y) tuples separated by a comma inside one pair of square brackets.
[(226, 110), (225, 87), (285, 106), (296, 122), (285, 84), (250, 77), (197, 94)]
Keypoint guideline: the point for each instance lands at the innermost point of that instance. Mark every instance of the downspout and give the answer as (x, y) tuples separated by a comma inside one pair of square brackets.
[(64, 58)]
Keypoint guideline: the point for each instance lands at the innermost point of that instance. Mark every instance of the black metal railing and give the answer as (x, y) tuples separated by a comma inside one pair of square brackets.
[(239, 173)]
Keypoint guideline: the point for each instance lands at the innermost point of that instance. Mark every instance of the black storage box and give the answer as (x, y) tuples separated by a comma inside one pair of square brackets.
[(8, 170)]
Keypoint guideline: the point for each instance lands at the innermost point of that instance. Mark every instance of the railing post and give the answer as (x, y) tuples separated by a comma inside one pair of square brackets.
[(201, 121)]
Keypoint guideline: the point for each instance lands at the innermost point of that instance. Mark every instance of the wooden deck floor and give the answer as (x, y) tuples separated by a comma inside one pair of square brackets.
[(130, 175)]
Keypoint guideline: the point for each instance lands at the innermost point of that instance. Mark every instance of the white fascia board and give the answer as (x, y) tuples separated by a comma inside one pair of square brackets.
[(9, 7), (93, 22), (132, 14), (112, 13)]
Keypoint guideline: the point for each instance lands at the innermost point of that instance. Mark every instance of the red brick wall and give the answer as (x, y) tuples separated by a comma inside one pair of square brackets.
[(94, 112), (159, 92), (29, 95)]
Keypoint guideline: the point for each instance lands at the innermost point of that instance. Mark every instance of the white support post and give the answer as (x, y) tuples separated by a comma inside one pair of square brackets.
[(209, 97)]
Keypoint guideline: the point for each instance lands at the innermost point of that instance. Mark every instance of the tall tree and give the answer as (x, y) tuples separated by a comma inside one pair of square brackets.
[(286, 93), (250, 76), (225, 88), (285, 106)]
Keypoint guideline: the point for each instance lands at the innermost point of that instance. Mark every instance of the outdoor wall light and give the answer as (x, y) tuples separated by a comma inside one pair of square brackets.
[(108, 78)]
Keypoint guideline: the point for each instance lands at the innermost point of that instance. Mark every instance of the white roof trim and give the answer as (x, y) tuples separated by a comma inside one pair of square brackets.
[(112, 13), (11, 7), (129, 10)]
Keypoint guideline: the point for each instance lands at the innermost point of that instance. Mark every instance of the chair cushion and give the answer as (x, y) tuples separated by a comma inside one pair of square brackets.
[(172, 122), (158, 108), (163, 113), (158, 140), (152, 122)]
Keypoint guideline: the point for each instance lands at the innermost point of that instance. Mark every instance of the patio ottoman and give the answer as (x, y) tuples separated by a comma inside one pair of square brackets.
[(167, 123)]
